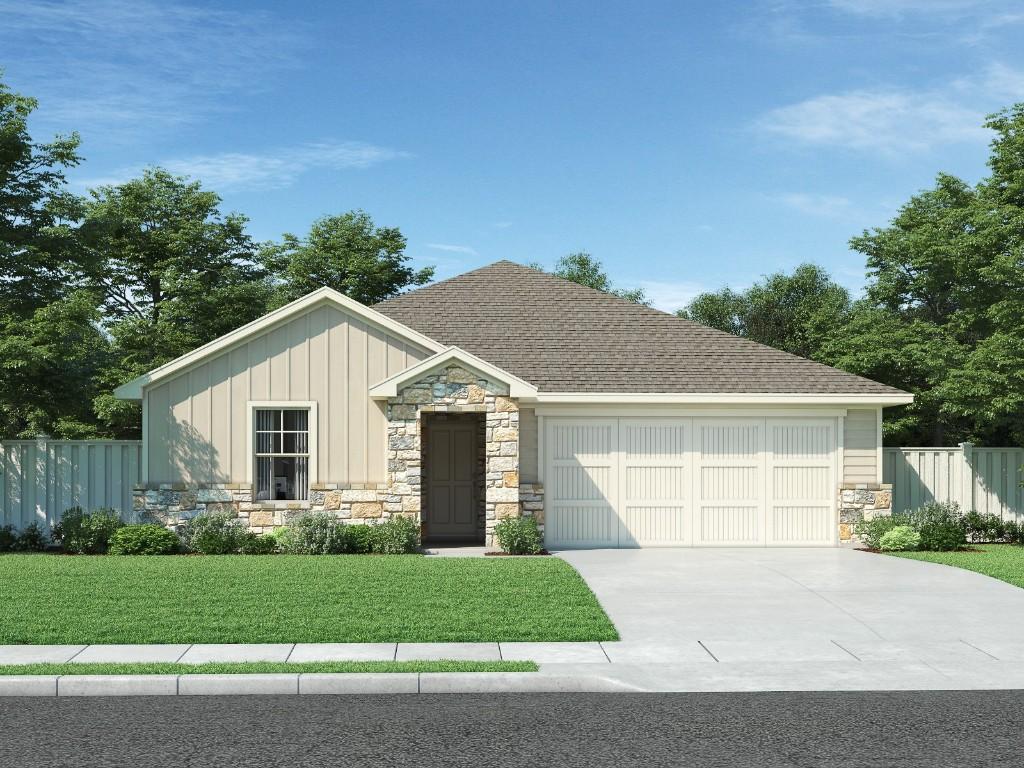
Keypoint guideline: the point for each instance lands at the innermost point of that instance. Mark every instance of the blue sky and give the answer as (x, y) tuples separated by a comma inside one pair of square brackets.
[(687, 145)]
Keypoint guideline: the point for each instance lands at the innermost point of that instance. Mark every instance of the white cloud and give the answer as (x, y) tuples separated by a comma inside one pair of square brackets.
[(889, 120), (103, 66), (900, 7), (825, 206), (502, 224), (270, 170), (669, 296), (453, 248)]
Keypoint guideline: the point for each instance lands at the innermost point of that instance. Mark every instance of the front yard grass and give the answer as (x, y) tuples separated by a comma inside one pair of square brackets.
[(1000, 561), (267, 667), (55, 599)]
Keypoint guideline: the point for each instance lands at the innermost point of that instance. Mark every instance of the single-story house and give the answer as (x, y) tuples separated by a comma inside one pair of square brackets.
[(507, 391)]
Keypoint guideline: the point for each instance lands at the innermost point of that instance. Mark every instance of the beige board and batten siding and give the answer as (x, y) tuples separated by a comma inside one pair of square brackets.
[(197, 422), (528, 470), (861, 445)]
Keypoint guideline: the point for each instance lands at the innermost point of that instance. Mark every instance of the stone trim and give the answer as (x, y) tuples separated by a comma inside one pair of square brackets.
[(861, 501)]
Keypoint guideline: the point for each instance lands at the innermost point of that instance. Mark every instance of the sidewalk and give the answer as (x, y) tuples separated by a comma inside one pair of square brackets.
[(708, 666)]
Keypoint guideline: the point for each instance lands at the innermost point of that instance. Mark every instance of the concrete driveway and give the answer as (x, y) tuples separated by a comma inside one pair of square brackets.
[(782, 605)]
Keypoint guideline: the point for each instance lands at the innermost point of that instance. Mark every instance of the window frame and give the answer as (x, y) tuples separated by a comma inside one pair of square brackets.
[(312, 423)]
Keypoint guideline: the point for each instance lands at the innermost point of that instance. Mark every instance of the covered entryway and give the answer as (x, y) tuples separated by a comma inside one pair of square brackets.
[(453, 487), (691, 481)]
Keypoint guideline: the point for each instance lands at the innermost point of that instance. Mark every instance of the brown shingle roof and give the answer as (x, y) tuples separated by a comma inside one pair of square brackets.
[(564, 337)]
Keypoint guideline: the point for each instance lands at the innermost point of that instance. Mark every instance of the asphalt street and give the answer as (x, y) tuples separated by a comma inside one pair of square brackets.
[(977, 728)]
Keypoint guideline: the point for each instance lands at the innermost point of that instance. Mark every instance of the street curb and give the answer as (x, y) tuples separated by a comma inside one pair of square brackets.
[(305, 684)]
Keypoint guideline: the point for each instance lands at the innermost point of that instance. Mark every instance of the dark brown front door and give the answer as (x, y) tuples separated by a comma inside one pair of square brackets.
[(451, 463)]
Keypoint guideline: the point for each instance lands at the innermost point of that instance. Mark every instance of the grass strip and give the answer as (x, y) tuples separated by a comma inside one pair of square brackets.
[(266, 667)]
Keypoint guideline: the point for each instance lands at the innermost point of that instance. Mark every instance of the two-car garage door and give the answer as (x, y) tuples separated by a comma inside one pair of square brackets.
[(626, 482)]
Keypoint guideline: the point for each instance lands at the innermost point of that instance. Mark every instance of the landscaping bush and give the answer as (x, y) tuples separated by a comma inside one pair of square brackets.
[(253, 544), (8, 538), (320, 533), (940, 525), (872, 531), (1014, 532), (283, 537), (145, 539), (519, 536), (982, 529), (86, 533), (899, 539), (216, 534), (360, 538), (31, 539), (398, 535)]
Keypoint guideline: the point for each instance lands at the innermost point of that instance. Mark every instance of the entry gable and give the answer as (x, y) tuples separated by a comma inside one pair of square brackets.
[(390, 387)]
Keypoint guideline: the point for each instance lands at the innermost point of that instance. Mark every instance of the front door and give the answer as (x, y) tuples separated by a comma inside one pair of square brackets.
[(452, 465)]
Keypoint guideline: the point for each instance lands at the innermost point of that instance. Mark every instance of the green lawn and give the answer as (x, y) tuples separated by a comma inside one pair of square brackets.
[(53, 599), (267, 667), (1000, 561)]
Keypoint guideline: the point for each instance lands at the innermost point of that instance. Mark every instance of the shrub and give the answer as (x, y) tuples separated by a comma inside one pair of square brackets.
[(283, 538), (941, 526), (519, 536), (899, 539), (145, 539), (360, 538), (398, 535), (253, 544), (86, 533), (989, 528), (320, 533), (31, 539), (1014, 532), (214, 534), (872, 531), (8, 538)]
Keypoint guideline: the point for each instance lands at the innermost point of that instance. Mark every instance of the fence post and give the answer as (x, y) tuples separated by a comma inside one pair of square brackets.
[(966, 478), (41, 510)]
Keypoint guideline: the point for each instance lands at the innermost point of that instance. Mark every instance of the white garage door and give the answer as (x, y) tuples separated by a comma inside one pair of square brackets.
[(690, 481)]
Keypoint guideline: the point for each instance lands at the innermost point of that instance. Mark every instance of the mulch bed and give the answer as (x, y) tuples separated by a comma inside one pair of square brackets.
[(542, 553)]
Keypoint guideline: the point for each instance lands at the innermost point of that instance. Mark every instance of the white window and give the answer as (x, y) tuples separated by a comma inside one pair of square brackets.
[(282, 452)]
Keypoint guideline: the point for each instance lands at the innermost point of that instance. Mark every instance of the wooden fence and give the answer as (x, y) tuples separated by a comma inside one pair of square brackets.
[(984, 479), (39, 479)]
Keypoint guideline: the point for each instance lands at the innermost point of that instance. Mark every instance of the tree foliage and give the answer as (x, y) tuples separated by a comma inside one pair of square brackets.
[(36, 210), (943, 310), (580, 267), (346, 253)]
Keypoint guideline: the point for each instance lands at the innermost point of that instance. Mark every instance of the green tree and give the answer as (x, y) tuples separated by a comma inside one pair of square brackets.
[(346, 253), (172, 272), (36, 210), (798, 313), (580, 267), (949, 271), (49, 366)]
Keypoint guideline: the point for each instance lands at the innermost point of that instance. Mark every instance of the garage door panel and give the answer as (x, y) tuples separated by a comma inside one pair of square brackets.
[(654, 525), (719, 483), (795, 483), (729, 525), (582, 483), (800, 524), (802, 483), (654, 507), (730, 440), (583, 526), (656, 483)]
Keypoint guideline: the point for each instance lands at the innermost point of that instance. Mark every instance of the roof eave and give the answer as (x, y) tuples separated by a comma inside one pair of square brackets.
[(732, 398)]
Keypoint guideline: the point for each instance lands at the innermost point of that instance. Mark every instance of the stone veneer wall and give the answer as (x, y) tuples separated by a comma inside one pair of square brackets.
[(862, 502), (452, 390)]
